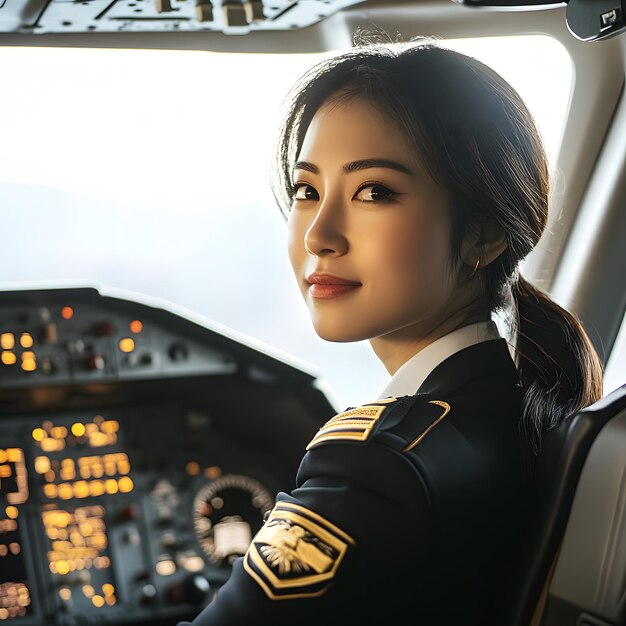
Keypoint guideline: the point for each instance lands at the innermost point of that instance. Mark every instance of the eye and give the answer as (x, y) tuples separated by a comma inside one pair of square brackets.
[(303, 191), (374, 192)]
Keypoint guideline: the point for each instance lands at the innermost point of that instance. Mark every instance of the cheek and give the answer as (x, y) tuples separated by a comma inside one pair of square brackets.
[(296, 229), (409, 257)]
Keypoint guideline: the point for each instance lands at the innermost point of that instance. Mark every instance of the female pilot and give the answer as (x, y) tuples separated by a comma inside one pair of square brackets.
[(414, 182)]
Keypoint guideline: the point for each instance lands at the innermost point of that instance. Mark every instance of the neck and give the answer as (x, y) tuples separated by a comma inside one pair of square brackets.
[(396, 348)]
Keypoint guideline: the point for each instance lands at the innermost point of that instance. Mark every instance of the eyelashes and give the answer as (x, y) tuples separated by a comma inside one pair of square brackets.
[(370, 192)]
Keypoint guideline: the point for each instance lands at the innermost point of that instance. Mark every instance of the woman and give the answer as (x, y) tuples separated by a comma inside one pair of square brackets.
[(414, 181)]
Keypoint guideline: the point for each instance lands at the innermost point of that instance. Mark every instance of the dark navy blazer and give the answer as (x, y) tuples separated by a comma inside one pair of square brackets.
[(405, 508)]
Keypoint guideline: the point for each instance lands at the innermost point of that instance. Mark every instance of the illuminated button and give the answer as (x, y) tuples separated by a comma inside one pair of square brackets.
[(98, 601), (42, 464), (11, 512), (8, 358), (165, 568), (192, 562), (78, 429), (7, 341), (65, 593), (59, 432), (192, 468), (127, 344), (136, 326), (125, 484), (29, 363), (38, 434), (67, 312), (26, 340), (213, 472), (50, 491)]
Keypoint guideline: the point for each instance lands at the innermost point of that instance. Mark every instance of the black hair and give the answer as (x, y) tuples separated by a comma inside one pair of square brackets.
[(478, 140)]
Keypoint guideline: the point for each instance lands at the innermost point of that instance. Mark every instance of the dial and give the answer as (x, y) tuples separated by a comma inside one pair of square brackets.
[(227, 513)]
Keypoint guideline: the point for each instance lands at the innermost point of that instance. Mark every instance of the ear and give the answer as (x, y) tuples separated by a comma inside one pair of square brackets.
[(485, 241)]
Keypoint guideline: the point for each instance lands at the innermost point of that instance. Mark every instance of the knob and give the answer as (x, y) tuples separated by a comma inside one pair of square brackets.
[(95, 362), (192, 589), (178, 352), (148, 594)]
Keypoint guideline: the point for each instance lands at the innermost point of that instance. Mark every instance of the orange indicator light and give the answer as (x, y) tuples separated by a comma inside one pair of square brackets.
[(136, 326), (67, 312)]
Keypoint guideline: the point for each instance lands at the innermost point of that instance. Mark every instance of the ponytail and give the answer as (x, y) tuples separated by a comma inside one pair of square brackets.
[(559, 368)]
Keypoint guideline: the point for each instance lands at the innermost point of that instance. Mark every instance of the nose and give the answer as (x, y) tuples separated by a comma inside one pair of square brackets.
[(326, 234)]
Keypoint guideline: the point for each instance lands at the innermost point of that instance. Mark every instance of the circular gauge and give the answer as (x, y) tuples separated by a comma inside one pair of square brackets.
[(227, 513)]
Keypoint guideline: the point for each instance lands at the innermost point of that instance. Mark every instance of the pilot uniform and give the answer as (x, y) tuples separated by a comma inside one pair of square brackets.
[(406, 508)]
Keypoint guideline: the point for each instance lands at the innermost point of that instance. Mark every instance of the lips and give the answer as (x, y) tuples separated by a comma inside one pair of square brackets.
[(318, 278), (324, 286)]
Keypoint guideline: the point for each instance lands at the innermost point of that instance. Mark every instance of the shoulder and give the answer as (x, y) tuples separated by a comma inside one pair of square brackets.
[(400, 423), (455, 438)]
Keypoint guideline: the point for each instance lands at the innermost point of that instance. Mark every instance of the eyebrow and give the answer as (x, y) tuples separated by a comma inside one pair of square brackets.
[(355, 166)]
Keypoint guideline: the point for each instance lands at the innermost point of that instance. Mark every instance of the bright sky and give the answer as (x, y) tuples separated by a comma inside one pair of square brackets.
[(147, 171)]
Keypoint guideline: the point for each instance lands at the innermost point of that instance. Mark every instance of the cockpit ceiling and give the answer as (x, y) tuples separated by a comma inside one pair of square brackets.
[(231, 17)]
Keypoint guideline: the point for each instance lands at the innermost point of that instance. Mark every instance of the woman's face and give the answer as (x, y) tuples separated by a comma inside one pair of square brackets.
[(366, 211)]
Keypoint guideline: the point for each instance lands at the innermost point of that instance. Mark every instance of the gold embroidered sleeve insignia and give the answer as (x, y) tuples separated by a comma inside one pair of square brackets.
[(296, 553)]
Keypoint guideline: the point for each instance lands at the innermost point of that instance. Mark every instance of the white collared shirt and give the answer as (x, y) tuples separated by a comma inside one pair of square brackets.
[(412, 373)]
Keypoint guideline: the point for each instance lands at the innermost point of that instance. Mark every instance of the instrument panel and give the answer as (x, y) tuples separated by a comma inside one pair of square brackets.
[(127, 500)]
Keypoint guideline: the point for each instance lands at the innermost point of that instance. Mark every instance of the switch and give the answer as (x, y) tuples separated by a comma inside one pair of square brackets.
[(204, 12), (163, 6), (50, 333), (234, 14), (254, 10)]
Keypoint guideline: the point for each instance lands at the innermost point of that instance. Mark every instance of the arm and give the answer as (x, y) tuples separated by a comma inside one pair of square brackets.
[(357, 522)]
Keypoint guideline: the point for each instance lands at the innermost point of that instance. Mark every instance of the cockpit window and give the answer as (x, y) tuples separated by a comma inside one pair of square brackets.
[(147, 171)]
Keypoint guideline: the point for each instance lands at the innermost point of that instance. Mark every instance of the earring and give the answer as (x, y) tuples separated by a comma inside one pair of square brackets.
[(475, 268)]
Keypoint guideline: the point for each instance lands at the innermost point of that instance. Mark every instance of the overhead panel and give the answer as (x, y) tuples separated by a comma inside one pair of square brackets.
[(231, 17)]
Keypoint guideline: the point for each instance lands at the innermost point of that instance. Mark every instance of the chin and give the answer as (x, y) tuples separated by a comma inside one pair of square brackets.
[(338, 332)]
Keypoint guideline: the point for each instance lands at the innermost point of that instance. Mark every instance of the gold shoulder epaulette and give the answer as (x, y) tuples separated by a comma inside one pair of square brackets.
[(355, 424)]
